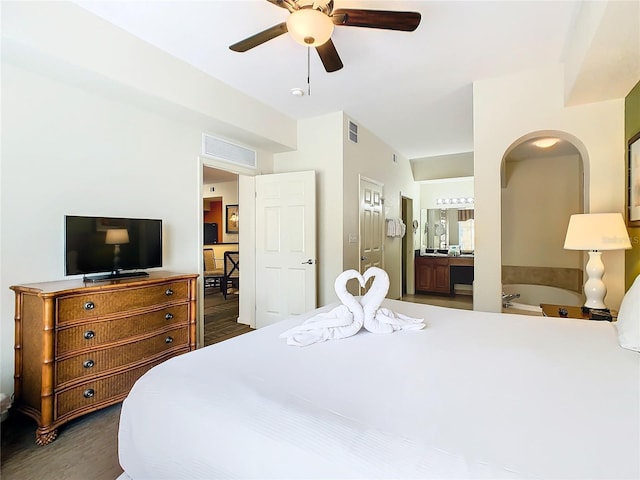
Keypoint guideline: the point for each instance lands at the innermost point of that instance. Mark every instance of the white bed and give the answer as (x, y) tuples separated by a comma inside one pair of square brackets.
[(473, 395)]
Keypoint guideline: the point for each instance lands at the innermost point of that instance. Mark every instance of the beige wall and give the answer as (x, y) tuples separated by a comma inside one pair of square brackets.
[(373, 159), (338, 163), (229, 193), (430, 191), (509, 108), (534, 224)]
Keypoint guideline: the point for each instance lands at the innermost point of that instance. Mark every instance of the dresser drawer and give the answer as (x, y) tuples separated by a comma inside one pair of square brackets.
[(100, 333), (98, 361), (96, 304), (89, 395)]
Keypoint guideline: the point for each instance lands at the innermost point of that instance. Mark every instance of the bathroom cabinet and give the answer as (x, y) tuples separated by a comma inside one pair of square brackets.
[(438, 274), (432, 275)]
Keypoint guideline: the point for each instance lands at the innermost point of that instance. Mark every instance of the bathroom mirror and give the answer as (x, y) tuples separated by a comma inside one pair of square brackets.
[(442, 227)]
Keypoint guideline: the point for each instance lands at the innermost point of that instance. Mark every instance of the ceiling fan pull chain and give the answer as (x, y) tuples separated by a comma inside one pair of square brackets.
[(309, 71)]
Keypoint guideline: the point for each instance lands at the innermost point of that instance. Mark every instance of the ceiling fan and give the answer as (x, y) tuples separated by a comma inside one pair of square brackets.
[(311, 24)]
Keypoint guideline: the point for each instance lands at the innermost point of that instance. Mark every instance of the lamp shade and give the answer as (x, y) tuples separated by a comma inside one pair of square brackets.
[(117, 236), (309, 27), (597, 231)]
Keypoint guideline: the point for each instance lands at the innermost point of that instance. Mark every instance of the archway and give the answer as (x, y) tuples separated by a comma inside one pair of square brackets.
[(543, 177)]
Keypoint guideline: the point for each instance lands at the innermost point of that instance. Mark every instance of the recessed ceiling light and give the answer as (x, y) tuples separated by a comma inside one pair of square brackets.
[(297, 92), (546, 142)]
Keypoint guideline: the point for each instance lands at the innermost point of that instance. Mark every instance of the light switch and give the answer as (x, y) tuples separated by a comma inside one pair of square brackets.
[(353, 238)]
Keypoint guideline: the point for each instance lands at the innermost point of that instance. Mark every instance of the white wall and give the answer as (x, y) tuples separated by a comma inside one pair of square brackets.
[(65, 151), (510, 107), (86, 130), (66, 41), (320, 149)]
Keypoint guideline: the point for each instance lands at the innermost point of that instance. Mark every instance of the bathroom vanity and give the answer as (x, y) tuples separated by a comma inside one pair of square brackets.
[(438, 273)]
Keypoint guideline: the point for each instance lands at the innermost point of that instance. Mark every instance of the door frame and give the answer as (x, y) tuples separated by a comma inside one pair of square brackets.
[(244, 242), (407, 257)]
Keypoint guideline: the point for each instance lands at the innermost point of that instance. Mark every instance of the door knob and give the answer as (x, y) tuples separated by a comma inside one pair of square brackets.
[(308, 262), (364, 258)]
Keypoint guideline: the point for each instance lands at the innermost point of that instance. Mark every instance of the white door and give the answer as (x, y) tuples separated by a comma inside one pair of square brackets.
[(285, 245), (371, 224)]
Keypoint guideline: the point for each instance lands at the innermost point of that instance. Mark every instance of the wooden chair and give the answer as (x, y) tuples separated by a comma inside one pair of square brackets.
[(213, 275), (231, 277)]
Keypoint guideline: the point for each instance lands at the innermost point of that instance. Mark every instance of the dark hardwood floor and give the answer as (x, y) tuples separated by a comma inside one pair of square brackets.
[(220, 316), (464, 302)]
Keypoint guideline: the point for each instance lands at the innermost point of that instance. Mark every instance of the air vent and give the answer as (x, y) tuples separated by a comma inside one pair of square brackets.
[(353, 132), (228, 152)]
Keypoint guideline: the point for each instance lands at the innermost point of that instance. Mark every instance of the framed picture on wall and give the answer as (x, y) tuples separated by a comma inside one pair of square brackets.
[(633, 182), (232, 219)]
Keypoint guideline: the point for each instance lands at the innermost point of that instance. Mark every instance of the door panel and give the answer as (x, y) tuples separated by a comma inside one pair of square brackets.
[(371, 224), (285, 246)]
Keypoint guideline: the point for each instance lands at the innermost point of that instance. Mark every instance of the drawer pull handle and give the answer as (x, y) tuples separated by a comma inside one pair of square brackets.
[(168, 340), (168, 316), (168, 292), (88, 364), (89, 305), (88, 393), (89, 334)]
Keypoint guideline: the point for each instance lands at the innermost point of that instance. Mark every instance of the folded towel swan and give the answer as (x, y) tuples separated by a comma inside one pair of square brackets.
[(341, 322), (383, 320), (347, 319)]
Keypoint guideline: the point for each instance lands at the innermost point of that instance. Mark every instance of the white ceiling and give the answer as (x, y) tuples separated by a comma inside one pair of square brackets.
[(412, 90)]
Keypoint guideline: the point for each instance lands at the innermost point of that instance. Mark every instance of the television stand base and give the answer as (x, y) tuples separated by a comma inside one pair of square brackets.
[(114, 276)]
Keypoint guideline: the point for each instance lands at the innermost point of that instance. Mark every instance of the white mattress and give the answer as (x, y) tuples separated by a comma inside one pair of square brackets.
[(473, 395)]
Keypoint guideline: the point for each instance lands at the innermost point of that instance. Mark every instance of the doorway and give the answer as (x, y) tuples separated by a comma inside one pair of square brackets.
[(407, 244), (220, 235)]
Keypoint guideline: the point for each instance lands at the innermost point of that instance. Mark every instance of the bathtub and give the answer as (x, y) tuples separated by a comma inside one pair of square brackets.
[(531, 296)]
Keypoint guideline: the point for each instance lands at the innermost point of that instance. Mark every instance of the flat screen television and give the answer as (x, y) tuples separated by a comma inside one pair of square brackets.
[(124, 247)]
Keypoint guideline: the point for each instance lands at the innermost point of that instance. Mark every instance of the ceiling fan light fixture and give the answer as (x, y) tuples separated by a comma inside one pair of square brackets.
[(310, 27)]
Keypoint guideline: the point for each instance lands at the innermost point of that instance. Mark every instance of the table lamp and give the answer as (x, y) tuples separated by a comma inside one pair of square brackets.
[(117, 237), (595, 232)]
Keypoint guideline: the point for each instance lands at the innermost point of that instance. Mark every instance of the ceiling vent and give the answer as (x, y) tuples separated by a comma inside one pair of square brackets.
[(353, 132), (228, 152)]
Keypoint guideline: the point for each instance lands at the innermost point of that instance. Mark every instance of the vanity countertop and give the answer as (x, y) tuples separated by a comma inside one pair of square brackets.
[(443, 255)]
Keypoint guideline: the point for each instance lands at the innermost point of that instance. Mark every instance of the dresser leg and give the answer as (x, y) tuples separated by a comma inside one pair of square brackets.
[(46, 438)]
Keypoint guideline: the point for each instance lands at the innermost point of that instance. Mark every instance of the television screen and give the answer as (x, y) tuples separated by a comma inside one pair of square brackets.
[(210, 233), (106, 244)]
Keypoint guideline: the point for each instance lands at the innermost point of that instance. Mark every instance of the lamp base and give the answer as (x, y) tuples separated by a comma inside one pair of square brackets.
[(594, 288)]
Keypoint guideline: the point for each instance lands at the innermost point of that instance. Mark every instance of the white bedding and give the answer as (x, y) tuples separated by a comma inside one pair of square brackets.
[(473, 395)]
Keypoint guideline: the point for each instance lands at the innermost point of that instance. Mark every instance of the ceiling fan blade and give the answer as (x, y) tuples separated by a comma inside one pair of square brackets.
[(260, 38), (385, 19), (329, 56), (288, 4)]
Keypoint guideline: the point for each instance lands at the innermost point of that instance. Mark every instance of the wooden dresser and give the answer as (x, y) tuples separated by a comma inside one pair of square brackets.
[(80, 347)]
